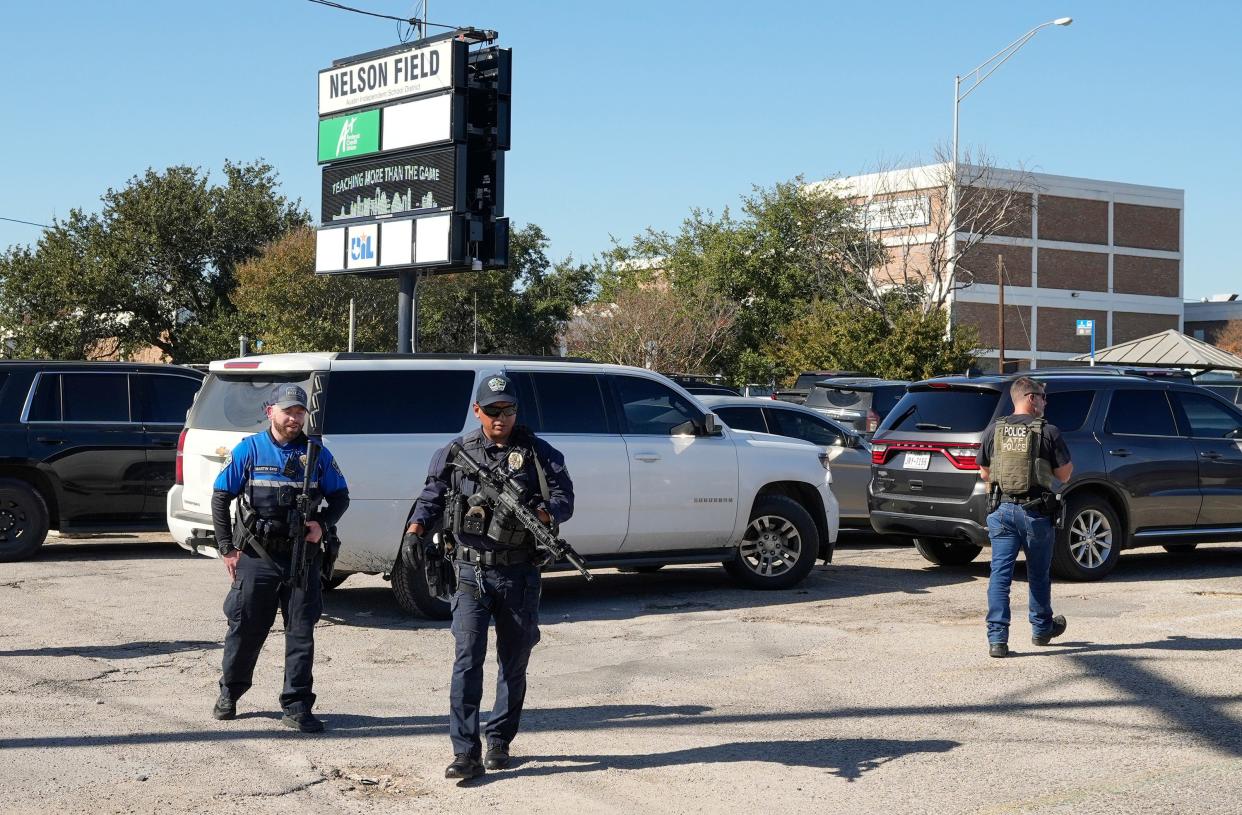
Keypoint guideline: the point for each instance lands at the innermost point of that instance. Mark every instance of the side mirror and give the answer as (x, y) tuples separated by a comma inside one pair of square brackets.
[(711, 425)]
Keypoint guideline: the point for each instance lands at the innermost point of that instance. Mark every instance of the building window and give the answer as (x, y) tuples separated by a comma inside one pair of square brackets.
[(1199, 335)]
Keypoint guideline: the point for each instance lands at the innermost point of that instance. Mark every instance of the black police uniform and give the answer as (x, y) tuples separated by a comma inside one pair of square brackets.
[(268, 477), (495, 581)]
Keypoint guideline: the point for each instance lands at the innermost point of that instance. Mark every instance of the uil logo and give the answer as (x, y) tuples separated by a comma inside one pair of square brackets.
[(360, 248)]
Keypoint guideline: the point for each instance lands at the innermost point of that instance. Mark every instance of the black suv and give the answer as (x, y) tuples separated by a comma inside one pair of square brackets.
[(1156, 459), (87, 447)]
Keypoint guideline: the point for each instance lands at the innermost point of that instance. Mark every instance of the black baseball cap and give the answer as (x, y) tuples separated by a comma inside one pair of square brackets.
[(496, 388), (289, 395)]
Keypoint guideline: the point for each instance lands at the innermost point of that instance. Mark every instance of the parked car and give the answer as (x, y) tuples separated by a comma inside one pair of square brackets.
[(86, 447), (756, 390), (1156, 462), (859, 402), (1226, 385), (657, 478), (848, 453), (706, 385), (803, 384)]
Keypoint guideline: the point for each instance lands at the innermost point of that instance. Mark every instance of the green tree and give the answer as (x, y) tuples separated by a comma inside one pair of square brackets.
[(154, 267)]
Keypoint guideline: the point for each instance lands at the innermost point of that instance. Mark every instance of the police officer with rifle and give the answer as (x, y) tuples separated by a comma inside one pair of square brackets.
[(1020, 456), (276, 549), (499, 489)]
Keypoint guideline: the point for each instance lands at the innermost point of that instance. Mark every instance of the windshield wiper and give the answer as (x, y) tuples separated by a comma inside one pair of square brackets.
[(931, 426)]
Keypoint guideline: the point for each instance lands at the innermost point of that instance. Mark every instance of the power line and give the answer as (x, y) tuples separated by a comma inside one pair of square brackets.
[(28, 223), (409, 20)]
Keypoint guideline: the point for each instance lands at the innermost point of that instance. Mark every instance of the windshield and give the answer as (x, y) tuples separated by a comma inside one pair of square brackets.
[(238, 401), (943, 410)]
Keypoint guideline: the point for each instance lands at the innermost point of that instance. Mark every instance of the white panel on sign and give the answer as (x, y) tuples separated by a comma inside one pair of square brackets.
[(363, 246), (330, 250), (431, 240), (418, 70), (414, 124), (396, 243)]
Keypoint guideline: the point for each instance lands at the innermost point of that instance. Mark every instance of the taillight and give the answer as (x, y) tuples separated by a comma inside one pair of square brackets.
[(879, 453), (873, 421), (181, 456), (963, 457)]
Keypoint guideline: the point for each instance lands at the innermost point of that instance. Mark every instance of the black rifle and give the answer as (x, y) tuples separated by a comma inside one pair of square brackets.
[(305, 504), (500, 492)]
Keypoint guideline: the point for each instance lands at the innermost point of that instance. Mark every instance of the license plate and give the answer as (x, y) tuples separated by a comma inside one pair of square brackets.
[(917, 461)]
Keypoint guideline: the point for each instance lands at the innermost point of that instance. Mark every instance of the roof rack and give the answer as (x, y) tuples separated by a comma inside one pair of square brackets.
[(1109, 370)]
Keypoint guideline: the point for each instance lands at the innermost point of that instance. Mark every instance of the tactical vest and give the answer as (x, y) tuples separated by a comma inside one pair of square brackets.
[(499, 528), (1016, 465)]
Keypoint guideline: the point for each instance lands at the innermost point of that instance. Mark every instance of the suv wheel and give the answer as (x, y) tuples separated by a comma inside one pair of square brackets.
[(23, 520), (414, 592), (1088, 546), (779, 547), (947, 553)]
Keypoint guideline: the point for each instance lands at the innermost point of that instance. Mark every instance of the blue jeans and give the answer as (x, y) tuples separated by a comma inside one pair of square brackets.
[(508, 597), (1014, 529)]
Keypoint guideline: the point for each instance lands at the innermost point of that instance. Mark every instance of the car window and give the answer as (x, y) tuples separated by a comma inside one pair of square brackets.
[(885, 399), (1134, 412), (45, 404), (167, 398), (569, 403), (1068, 409), (95, 397), (801, 426), (1229, 392), (742, 418), (237, 401), (1208, 418), (651, 408), (942, 410), (397, 401)]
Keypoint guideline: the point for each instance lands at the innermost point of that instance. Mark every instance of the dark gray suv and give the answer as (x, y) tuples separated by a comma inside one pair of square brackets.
[(1157, 461)]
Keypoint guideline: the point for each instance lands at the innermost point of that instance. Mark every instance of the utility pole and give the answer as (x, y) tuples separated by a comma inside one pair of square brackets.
[(1000, 314)]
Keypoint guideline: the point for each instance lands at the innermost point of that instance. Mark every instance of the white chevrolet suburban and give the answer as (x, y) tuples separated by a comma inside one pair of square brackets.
[(657, 478)]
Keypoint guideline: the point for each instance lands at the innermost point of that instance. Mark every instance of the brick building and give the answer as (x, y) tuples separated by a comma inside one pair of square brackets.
[(1205, 319), (1073, 249)]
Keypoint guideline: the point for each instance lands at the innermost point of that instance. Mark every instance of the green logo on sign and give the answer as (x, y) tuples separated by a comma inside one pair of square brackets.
[(349, 136)]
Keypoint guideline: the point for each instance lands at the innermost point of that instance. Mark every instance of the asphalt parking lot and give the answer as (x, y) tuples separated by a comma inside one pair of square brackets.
[(865, 690)]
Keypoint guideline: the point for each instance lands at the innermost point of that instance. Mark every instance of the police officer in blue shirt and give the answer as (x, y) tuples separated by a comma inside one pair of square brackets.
[(497, 577), (266, 471)]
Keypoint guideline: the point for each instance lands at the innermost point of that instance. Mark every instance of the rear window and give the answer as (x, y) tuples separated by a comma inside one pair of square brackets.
[(834, 397), (807, 381), (569, 403), (365, 402), (942, 410), (237, 401), (885, 399)]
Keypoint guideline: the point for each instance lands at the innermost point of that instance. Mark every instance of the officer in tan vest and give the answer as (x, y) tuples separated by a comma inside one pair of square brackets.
[(1019, 459)]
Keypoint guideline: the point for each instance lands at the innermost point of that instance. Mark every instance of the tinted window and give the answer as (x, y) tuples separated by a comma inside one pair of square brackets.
[(835, 397), (237, 402), (1229, 392), (1068, 409), (1140, 413), (1207, 417), (943, 410), (569, 403), (168, 398), (740, 418), (884, 399), (800, 426), (650, 408), (95, 397), (386, 402), (45, 406)]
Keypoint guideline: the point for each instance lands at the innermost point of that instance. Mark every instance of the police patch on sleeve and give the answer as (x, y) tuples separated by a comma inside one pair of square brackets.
[(496, 384)]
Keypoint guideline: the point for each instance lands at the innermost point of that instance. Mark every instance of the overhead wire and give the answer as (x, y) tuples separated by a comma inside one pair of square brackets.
[(28, 223), (407, 20)]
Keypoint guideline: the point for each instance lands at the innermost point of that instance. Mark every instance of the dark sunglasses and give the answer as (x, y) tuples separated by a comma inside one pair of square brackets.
[(495, 412), (1038, 396)]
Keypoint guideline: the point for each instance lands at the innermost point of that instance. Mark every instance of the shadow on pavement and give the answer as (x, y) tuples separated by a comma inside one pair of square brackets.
[(124, 650), (110, 549)]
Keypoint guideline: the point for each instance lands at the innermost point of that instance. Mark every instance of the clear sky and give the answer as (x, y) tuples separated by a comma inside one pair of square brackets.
[(626, 115)]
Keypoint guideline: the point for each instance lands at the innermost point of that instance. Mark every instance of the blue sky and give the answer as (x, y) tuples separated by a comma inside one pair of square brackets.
[(626, 115)]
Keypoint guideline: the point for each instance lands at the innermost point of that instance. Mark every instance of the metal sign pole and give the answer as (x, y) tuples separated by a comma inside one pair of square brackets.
[(405, 310), (1093, 342)]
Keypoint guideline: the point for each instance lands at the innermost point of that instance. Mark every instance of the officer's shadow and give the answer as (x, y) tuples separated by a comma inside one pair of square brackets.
[(844, 758)]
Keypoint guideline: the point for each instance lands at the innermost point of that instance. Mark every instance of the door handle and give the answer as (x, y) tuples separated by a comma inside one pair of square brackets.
[(1211, 454), (1120, 452), (49, 440), (647, 457)]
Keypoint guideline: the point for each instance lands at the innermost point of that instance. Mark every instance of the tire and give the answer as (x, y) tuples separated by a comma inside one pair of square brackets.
[(1180, 548), (1092, 540), (23, 520), (945, 552), (779, 547), (337, 578), (414, 594)]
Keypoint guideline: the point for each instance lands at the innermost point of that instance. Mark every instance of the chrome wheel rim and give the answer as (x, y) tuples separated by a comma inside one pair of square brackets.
[(771, 546), (1091, 539)]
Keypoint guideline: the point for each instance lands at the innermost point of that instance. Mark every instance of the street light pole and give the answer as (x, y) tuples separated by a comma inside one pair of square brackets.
[(975, 77)]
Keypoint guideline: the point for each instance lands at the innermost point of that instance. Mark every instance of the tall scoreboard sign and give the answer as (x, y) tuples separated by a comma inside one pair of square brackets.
[(412, 142)]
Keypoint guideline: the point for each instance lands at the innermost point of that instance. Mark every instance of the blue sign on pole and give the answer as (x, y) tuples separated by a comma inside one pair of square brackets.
[(1085, 328)]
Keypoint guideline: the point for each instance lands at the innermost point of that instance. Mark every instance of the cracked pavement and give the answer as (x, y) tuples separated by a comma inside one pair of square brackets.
[(865, 690)]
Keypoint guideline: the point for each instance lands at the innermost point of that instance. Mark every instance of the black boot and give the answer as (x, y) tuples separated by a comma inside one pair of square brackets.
[(224, 709), (1058, 628), (497, 757), (303, 721), (465, 765)]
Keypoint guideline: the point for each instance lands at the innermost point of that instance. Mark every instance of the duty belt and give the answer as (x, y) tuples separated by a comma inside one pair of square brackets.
[(1024, 501), (507, 557)]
